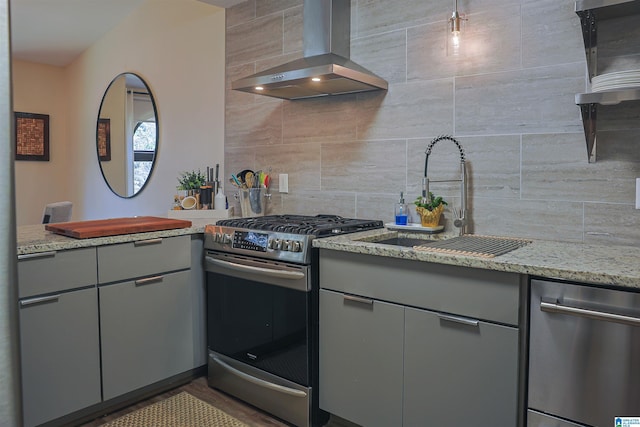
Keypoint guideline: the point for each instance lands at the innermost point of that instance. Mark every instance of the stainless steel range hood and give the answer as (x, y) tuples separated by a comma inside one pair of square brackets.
[(325, 68)]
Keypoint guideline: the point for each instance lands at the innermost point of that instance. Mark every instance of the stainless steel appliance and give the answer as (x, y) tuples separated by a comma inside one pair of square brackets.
[(584, 354), (262, 310)]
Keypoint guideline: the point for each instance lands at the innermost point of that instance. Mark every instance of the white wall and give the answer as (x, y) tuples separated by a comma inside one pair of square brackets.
[(177, 47), (41, 89)]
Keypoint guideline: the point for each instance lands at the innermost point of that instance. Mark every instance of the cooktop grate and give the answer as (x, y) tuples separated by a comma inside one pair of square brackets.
[(319, 225)]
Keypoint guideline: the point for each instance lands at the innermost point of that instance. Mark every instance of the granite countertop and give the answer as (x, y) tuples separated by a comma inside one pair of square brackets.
[(587, 263), (34, 238)]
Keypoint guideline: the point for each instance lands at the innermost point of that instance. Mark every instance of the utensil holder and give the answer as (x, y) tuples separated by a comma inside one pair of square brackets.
[(252, 201)]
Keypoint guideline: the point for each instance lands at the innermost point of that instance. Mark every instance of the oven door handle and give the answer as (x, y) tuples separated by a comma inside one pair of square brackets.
[(280, 274), (261, 382)]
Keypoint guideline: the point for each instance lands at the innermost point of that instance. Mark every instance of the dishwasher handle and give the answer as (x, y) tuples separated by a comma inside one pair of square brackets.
[(591, 314)]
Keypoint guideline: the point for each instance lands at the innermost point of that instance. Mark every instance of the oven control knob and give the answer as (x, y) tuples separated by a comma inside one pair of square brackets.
[(276, 244), (296, 246), (286, 245), (218, 237), (226, 238)]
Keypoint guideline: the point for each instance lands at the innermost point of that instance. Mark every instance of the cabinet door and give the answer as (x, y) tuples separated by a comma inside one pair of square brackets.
[(60, 354), (360, 349), (146, 330), (459, 372)]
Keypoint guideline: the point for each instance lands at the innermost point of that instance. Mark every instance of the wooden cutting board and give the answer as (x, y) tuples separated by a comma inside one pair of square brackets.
[(115, 226)]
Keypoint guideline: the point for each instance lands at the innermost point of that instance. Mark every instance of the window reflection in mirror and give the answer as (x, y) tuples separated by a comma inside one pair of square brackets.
[(126, 135)]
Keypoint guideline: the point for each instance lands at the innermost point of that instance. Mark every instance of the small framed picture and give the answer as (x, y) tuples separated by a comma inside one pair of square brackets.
[(104, 139), (32, 136)]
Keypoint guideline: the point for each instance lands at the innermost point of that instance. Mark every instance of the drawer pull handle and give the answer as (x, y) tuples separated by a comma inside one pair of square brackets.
[(359, 300), (147, 242), (591, 314), (458, 319), (38, 255), (39, 300), (149, 280)]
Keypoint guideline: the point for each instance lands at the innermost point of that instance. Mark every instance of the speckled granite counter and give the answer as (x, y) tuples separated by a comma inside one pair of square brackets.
[(598, 264), (34, 238)]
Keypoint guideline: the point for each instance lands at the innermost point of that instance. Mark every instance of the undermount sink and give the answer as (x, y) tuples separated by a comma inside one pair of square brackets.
[(403, 241), (470, 245)]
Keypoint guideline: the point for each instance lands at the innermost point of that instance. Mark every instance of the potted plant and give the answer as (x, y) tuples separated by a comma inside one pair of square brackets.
[(191, 181), (430, 209)]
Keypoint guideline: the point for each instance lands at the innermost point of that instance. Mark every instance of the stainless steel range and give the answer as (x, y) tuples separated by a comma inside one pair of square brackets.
[(262, 310)]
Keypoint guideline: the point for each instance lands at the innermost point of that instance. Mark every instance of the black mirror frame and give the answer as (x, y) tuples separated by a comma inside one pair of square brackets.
[(107, 154)]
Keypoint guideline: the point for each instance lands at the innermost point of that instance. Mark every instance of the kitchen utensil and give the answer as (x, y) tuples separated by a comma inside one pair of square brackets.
[(242, 174), (248, 179)]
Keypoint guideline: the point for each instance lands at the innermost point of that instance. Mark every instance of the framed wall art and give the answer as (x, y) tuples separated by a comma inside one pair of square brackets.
[(32, 136), (104, 139)]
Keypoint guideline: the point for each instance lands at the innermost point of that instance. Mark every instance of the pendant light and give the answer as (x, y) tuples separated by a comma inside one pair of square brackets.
[(455, 28)]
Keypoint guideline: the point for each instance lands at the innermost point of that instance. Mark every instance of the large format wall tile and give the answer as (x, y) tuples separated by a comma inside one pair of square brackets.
[(293, 40), (254, 40), (611, 224), (533, 100), (407, 110), (320, 119), (537, 219), (554, 168), (258, 124), (360, 166), (383, 54), (551, 33), (274, 6), (490, 42), (320, 202), (380, 16)]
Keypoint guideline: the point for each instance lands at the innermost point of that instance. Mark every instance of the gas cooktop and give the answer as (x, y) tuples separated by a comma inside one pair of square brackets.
[(318, 226), (281, 237)]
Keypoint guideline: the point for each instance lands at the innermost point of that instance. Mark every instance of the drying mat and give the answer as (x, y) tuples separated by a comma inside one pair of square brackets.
[(474, 245), (181, 410)]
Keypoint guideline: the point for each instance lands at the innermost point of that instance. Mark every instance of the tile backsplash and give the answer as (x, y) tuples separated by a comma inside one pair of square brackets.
[(508, 98)]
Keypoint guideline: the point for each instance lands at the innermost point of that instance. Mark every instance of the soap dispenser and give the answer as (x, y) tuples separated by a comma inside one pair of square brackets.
[(220, 200), (401, 211)]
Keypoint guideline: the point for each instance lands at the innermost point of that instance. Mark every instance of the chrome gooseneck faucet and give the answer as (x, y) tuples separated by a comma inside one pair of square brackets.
[(461, 216)]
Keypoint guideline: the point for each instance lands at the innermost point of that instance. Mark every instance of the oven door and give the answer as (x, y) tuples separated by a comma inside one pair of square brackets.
[(258, 313)]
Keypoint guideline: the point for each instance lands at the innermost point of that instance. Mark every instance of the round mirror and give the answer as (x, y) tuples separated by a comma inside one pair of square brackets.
[(127, 134)]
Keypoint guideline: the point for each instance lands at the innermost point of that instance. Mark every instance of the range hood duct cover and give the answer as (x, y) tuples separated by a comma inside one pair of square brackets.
[(327, 33)]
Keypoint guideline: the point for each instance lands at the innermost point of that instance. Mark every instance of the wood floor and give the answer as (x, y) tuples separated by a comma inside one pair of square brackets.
[(199, 388)]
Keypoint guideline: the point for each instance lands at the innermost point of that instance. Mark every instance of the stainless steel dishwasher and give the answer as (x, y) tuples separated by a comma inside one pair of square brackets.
[(584, 356)]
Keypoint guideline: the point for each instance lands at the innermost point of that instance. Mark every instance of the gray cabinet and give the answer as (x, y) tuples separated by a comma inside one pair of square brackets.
[(59, 335), (441, 341), (361, 347), (147, 331), (459, 371)]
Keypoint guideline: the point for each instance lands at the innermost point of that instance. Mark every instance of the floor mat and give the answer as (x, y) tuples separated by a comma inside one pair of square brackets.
[(181, 410)]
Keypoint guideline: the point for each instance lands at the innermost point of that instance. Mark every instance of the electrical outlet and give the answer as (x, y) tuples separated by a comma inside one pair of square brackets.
[(637, 193), (283, 183)]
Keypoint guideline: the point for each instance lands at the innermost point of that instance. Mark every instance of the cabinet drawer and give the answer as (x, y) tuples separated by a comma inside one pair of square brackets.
[(482, 294), (56, 271), (146, 257)]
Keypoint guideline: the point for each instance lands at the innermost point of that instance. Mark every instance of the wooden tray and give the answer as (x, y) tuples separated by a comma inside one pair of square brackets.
[(115, 226)]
